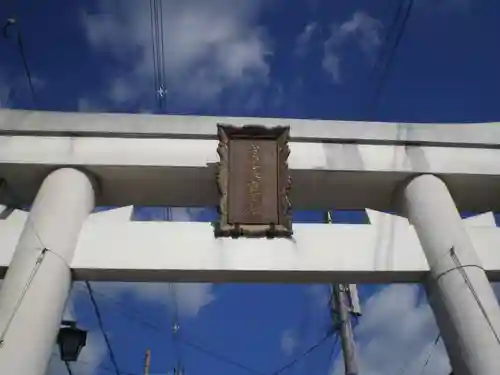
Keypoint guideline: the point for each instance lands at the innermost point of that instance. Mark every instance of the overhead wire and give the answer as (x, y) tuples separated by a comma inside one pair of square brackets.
[(304, 354), (332, 354), (162, 44), (158, 50), (176, 328), (153, 48), (427, 360), (388, 36), (221, 357), (404, 367), (184, 339), (101, 327), (20, 45), (388, 62)]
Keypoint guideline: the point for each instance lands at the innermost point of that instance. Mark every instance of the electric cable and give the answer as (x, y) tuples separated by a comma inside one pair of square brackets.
[(153, 47), (388, 37), (220, 357), (304, 354), (386, 67), (331, 355), (430, 354), (158, 50), (11, 22), (184, 339), (176, 328), (101, 326), (402, 369)]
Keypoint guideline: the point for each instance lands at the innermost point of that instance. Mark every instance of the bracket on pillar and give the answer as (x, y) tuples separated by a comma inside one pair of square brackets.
[(253, 181)]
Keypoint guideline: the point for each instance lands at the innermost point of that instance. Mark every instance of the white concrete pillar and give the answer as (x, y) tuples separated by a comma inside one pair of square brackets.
[(458, 290), (31, 312)]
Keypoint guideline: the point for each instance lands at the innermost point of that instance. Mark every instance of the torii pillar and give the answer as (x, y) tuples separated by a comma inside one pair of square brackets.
[(38, 281), (458, 290)]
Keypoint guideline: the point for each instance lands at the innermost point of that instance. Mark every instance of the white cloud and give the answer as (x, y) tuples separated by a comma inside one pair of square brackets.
[(304, 39), (362, 29), (397, 331), (189, 297), (320, 295), (289, 341), (210, 46)]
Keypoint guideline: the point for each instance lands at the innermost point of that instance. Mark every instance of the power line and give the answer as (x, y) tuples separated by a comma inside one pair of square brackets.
[(22, 52), (101, 326), (332, 354), (402, 370), (176, 328), (304, 354), (153, 46), (189, 342), (388, 36), (430, 354), (220, 357), (386, 67), (158, 49)]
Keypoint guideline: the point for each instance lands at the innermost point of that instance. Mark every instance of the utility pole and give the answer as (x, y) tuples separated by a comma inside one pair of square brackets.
[(342, 307), (147, 362), (345, 302)]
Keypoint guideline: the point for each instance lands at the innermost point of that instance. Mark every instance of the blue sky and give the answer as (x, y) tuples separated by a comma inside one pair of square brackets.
[(274, 58)]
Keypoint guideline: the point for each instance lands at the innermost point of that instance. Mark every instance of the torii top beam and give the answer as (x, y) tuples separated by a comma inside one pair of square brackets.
[(48, 123), (170, 160)]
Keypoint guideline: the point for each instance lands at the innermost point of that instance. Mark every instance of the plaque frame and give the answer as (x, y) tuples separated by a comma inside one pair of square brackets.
[(279, 134)]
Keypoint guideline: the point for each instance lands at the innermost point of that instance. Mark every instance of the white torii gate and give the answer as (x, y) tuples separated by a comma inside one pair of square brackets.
[(72, 162)]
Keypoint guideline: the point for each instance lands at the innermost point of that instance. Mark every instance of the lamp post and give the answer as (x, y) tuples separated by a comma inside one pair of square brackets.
[(71, 340)]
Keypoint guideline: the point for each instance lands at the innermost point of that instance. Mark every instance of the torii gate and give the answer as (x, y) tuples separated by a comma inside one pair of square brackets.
[(73, 162)]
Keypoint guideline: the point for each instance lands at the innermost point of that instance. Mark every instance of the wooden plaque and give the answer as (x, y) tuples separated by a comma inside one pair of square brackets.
[(253, 181)]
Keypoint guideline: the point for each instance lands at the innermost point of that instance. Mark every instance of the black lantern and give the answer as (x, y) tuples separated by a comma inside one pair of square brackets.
[(71, 340)]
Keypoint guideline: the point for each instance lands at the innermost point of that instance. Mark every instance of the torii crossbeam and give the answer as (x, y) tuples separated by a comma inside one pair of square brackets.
[(73, 162)]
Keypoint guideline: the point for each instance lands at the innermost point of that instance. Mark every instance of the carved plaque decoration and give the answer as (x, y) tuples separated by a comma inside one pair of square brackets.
[(253, 181)]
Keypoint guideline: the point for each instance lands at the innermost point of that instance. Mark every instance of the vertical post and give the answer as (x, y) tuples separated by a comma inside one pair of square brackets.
[(147, 362), (458, 290), (346, 334), (343, 306), (38, 280)]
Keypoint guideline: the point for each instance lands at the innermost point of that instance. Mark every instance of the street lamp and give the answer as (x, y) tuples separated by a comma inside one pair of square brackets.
[(71, 340)]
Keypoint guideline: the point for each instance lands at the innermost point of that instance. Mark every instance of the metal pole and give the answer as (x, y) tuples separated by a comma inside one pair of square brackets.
[(147, 362), (346, 334), (342, 305)]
